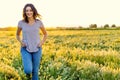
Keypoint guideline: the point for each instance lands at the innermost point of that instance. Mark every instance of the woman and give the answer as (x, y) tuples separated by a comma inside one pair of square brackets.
[(31, 46)]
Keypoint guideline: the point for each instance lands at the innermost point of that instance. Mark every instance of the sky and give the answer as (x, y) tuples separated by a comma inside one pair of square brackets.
[(56, 13)]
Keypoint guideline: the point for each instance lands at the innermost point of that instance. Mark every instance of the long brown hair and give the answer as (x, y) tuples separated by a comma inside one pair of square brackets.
[(35, 13)]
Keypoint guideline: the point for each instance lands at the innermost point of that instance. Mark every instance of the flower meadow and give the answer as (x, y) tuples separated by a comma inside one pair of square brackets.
[(66, 55)]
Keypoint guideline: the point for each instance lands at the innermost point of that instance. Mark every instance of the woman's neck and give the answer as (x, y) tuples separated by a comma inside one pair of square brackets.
[(31, 19)]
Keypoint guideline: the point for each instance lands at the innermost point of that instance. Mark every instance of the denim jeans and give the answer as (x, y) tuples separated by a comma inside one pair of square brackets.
[(31, 62)]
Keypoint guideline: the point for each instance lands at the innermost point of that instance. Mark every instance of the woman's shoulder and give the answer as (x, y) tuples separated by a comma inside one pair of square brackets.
[(38, 20), (21, 21)]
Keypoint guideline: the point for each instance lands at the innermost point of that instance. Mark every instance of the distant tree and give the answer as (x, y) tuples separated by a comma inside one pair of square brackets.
[(106, 26), (113, 25), (93, 26)]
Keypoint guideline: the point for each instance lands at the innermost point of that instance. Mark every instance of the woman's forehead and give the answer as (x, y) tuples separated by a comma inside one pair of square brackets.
[(28, 8)]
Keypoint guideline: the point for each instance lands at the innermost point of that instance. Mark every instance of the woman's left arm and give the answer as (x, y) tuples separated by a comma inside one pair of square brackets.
[(44, 37)]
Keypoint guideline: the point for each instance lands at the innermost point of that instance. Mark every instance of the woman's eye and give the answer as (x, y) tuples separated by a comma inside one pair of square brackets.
[(28, 10), (31, 10)]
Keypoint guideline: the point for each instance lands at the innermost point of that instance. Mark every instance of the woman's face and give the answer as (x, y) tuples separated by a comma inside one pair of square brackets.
[(29, 12)]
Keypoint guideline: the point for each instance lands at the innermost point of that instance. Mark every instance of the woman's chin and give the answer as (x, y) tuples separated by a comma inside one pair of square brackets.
[(29, 16)]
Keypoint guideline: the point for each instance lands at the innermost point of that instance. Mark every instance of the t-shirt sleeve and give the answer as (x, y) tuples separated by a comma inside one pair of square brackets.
[(19, 24), (41, 24)]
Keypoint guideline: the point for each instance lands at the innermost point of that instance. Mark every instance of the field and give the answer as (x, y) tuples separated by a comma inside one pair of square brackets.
[(67, 55)]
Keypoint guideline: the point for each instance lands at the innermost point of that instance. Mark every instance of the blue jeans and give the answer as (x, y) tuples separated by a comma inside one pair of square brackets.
[(31, 62)]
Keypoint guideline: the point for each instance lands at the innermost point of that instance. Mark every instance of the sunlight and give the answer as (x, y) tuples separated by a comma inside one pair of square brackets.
[(64, 12)]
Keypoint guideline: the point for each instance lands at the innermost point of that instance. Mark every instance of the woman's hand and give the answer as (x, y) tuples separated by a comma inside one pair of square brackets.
[(40, 45), (23, 44)]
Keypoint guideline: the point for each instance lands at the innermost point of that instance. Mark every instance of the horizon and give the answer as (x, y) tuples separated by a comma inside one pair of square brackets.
[(56, 13)]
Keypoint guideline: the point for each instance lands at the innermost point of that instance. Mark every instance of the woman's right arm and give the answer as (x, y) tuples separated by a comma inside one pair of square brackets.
[(18, 37), (18, 34)]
